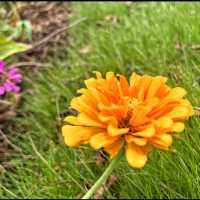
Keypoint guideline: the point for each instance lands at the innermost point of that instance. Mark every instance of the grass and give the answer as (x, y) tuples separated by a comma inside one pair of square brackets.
[(144, 40)]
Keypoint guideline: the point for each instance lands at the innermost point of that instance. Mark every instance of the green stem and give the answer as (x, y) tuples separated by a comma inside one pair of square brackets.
[(105, 175)]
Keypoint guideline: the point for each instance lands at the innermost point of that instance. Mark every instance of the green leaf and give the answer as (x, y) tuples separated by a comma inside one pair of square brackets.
[(23, 26), (28, 29), (9, 47)]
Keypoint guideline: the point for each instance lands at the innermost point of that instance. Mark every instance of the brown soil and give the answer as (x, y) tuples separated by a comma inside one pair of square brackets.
[(45, 18)]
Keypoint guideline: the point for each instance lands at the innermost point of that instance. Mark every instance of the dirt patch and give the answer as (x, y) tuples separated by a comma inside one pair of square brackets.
[(45, 18)]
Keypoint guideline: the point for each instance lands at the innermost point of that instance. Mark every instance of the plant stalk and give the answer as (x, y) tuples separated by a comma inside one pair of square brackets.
[(105, 175)]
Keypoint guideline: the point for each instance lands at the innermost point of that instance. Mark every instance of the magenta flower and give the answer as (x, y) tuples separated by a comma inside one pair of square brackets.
[(9, 79)]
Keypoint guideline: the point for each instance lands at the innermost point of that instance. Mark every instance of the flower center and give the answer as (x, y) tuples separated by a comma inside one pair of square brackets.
[(131, 103), (124, 123)]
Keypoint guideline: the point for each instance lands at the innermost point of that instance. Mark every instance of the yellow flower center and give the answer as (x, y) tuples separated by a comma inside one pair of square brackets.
[(131, 103)]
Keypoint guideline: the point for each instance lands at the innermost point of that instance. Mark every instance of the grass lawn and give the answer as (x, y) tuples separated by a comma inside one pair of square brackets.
[(148, 38)]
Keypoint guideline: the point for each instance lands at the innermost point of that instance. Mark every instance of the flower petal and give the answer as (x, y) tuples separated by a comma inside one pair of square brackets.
[(156, 83), (13, 71), (164, 123), (178, 113), (140, 141), (98, 74), (185, 102), (72, 120), (139, 115), (102, 140), (124, 86), (87, 121), (148, 132), (2, 90), (178, 127), (145, 82), (76, 135), (114, 131), (176, 93), (134, 79), (80, 105), (118, 111), (15, 88), (136, 156), (163, 108), (163, 91), (162, 141), (108, 119), (114, 148), (112, 84), (16, 78), (8, 86)]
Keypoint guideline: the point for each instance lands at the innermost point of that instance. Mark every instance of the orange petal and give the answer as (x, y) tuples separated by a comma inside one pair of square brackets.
[(124, 85), (145, 82), (107, 93), (162, 141), (134, 83), (141, 94), (85, 120), (162, 91), (139, 116), (108, 120), (90, 83), (88, 97), (178, 113), (155, 85), (102, 140), (162, 109), (143, 87), (148, 132), (98, 74), (176, 93), (80, 105), (114, 148), (113, 131), (164, 123), (178, 127), (76, 135), (72, 120), (152, 102), (136, 155), (99, 97), (112, 84), (119, 111), (134, 79), (82, 91), (185, 102), (110, 75), (137, 140)]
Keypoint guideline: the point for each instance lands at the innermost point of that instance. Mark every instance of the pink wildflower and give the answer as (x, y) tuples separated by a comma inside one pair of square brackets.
[(9, 79)]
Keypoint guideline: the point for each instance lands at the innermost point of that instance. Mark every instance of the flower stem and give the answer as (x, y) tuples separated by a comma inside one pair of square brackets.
[(105, 175)]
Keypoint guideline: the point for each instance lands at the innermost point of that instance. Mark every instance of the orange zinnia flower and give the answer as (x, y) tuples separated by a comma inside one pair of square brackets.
[(140, 114)]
